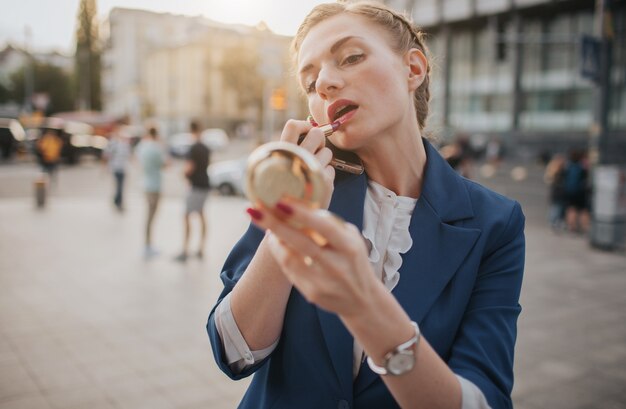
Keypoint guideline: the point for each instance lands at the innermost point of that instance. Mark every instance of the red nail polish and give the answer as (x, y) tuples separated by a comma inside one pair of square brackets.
[(311, 120), (286, 209), (254, 213)]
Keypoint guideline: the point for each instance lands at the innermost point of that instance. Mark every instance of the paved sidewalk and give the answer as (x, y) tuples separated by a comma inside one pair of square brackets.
[(85, 322)]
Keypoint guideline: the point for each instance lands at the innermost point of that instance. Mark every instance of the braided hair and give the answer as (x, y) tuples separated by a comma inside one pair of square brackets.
[(403, 33)]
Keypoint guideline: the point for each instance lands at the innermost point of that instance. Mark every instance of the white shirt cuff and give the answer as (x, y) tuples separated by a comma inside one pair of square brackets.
[(236, 349), (472, 397)]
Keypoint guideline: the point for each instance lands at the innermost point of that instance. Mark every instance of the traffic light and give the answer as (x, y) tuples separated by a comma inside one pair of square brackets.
[(278, 100)]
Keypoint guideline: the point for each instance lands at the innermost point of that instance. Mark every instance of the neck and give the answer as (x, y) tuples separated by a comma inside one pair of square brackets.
[(397, 162)]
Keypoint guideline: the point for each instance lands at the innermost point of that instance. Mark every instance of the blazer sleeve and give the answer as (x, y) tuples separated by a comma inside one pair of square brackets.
[(484, 345), (234, 267)]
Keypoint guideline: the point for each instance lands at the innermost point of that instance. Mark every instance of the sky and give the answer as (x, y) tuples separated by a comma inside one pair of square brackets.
[(52, 23)]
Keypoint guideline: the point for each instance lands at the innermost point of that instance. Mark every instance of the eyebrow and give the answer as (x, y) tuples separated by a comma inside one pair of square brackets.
[(333, 49)]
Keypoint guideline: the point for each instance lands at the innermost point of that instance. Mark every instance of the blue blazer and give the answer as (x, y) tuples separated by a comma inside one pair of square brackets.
[(460, 281)]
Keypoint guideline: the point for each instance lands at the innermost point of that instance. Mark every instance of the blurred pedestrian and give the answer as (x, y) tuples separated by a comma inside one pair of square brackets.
[(554, 177), (152, 158), (118, 154), (459, 155), (493, 152), (49, 148), (195, 171), (576, 193)]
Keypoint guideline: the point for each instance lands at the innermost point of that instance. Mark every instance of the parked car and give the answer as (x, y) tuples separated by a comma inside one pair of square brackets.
[(215, 138), (228, 177), (82, 138), (12, 134)]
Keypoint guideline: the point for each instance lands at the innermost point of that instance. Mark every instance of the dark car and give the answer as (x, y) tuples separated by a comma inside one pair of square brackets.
[(76, 136), (11, 136)]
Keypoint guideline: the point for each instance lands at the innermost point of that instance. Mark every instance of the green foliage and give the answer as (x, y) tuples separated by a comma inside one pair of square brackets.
[(5, 93), (48, 79)]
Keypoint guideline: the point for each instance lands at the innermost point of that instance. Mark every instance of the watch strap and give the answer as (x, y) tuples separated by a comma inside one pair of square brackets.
[(402, 348)]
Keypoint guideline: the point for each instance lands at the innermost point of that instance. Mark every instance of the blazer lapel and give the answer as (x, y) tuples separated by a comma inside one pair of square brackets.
[(438, 248), (339, 341)]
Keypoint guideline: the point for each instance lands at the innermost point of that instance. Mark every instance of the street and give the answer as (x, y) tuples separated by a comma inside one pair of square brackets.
[(86, 322)]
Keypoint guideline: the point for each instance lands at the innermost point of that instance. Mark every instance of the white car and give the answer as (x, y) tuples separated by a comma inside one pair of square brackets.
[(228, 177), (215, 138)]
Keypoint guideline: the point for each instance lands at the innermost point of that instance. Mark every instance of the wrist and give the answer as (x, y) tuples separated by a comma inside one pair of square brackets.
[(381, 325)]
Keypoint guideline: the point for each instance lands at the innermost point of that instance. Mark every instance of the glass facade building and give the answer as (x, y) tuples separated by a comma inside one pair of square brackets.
[(512, 68)]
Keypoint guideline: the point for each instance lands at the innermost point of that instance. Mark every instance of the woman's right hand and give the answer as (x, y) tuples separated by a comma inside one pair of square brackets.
[(314, 142)]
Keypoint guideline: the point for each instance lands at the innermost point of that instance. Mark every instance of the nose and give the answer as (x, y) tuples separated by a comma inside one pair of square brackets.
[(328, 82)]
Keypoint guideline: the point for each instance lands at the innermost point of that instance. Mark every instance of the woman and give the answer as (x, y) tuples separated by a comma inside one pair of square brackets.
[(316, 325), (554, 177)]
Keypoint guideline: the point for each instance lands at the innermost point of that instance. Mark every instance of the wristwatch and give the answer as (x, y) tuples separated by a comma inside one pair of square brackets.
[(401, 360)]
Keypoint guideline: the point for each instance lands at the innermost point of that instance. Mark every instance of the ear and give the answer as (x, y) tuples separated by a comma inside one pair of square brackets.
[(418, 67)]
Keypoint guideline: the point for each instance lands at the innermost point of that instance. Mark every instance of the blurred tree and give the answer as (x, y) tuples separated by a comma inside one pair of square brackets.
[(87, 57), (50, 80), (5, 93), (239, 70)]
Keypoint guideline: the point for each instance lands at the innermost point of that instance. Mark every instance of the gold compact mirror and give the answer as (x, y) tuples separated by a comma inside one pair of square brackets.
[(278, 170)]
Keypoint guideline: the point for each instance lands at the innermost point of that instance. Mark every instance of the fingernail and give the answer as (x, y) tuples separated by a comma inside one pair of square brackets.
[(254, 213), (288, 210), (311, 120)]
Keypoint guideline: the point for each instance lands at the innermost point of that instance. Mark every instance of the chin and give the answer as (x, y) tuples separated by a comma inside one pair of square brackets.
[(343, 141), (352, 139)]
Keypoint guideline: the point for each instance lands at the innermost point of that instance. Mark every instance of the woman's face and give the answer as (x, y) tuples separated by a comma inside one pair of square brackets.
[(351, 74)]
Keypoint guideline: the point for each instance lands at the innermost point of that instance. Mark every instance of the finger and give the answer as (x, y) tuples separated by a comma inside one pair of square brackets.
[(314, 140), (329, 175), (294, 236), (293, 129), (324, 156), (280, 251), (292, 264), (336, 232), (277, 220)]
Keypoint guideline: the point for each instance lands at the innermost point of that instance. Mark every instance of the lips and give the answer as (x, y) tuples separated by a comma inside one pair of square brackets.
[(340, 110)]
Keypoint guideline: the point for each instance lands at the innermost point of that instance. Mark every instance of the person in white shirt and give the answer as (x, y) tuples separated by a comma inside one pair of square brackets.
[(152, 157), (413, 302)]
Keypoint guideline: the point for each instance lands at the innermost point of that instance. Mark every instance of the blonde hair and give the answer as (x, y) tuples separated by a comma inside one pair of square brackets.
[(403, 33)]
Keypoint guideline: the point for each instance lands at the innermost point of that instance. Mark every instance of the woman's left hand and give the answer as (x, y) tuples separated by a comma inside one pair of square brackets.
[(336, 276)]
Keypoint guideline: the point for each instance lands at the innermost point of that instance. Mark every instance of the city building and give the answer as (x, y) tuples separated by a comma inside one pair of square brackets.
[(189, 81), (171, 69), (512, 69), (129, 37)]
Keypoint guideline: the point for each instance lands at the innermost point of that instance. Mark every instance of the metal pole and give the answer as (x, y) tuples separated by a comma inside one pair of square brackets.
[(518, 63), (446, 76), (267, 111), (608, 228), (598, 147), (29, 71)]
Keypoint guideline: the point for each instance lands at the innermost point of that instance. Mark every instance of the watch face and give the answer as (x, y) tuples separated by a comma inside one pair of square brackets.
[(401, 362)]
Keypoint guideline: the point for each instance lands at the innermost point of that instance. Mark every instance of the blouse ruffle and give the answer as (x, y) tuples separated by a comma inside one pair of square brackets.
[(386, 230)]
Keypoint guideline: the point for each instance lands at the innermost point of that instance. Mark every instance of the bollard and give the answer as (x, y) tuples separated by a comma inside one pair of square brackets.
[(40, 191), (608, 222)]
